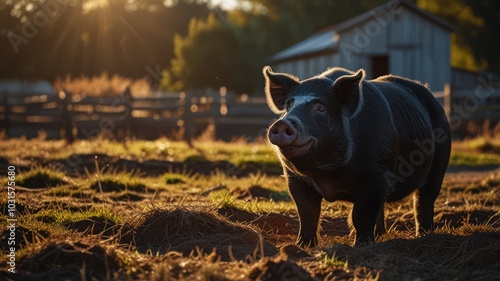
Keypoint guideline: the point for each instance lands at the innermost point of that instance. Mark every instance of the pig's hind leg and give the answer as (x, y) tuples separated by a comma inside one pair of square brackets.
[(380, 224), (428, 191)]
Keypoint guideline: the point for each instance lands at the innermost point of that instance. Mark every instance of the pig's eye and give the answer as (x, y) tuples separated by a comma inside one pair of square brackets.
[(321, 108)]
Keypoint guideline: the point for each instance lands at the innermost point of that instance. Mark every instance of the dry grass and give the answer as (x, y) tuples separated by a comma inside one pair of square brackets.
[(184, 229), (102, 86), (215, 224), (433, 257), (75, 258)]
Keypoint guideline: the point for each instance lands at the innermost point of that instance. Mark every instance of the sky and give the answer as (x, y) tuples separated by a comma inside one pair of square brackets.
[(225, 4)]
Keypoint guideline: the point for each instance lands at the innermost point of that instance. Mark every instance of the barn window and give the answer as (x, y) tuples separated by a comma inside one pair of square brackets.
[(380, 65)]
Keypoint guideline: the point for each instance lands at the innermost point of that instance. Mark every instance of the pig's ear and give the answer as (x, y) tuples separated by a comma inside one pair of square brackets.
[(349, 90), (277, 87)]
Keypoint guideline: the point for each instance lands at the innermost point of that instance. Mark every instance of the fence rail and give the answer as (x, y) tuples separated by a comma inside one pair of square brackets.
[(187, 113)]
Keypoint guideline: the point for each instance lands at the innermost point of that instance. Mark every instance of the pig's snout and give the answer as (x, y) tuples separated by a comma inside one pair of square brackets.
[(283, 132)]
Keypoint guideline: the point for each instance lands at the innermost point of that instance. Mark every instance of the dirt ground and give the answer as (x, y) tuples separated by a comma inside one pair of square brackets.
[(188, 236)]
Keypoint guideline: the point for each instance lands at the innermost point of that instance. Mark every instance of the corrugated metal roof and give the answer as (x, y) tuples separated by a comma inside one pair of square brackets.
[(316, 43)]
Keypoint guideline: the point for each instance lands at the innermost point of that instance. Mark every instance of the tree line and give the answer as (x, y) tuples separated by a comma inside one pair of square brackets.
[(179, 44)]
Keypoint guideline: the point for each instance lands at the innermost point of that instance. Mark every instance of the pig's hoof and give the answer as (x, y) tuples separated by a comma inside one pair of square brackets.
[(423, 232), (307, 243)]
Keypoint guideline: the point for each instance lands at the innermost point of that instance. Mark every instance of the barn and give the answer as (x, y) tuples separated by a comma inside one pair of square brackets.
[(397, 38)]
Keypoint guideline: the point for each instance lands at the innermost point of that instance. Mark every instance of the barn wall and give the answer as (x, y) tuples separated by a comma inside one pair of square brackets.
[(358, 44), (417, 49)]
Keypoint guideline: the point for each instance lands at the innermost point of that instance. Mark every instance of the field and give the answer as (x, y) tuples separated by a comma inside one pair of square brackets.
[(168, 210)]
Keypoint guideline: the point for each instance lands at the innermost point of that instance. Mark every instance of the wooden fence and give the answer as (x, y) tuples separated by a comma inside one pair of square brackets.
[(472, 107), (185, 114)]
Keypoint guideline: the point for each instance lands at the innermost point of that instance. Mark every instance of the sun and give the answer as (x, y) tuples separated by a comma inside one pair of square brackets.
[(90, 5)]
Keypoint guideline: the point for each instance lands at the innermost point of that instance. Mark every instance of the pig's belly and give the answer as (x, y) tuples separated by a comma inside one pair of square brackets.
[(404, 186)]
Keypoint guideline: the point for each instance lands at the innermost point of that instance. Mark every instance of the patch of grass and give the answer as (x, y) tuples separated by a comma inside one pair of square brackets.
[(117, 181), (175, 178), (224, 200), (196, 158), (113, 183), (333, 261), (483, 145), (60, 217), (22, 148), (463, 158), (128, 196), (239, 153), (39, 226), (478, 151), (491, 181), (42, 177), (63, 191), (257, 192), (476, 188)]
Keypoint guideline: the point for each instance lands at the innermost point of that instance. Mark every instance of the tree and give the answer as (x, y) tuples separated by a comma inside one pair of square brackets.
[(230, 49), (128, 38), (486, 43), (203, 58), (474, 46)]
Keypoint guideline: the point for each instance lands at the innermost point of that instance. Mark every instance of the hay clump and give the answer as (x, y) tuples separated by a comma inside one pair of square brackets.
[(93, 225), (278, 268), (257, 192), (41, 177), (56, 259), (184, 229), (174, 267), (435, 256), (113, 184)]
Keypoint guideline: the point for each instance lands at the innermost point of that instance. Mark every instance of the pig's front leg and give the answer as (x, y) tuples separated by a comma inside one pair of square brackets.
[(308, 202), (367, 211)]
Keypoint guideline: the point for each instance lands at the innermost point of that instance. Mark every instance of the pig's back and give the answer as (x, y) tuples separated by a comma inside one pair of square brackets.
[(414, 114), (412, 105)]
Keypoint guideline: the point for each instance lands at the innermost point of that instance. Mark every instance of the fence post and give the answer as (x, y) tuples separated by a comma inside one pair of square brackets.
[(6, 113), (222, 101), (127, 102), (447, 100), (188, 118), (67, 117)]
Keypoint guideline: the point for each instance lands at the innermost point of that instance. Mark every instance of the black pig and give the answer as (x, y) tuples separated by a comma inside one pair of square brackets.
[(341, 137)]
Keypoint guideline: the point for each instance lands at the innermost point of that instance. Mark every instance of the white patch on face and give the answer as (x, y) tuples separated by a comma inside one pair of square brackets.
[(300, 100)]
